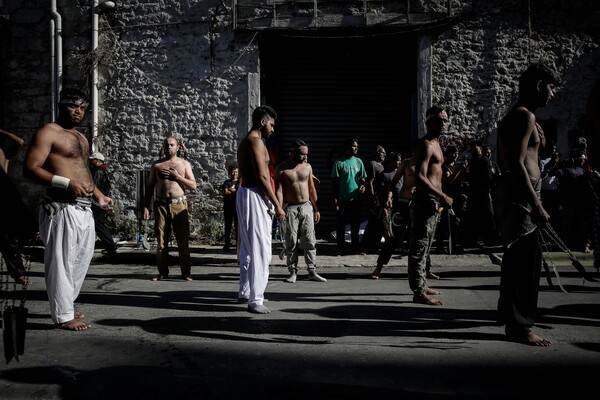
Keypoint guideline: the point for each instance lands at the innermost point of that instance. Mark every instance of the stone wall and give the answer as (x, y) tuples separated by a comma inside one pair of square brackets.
[(477, 62), (173, 67)]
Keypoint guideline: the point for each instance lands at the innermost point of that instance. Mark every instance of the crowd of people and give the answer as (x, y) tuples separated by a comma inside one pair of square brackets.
[(453, 197)]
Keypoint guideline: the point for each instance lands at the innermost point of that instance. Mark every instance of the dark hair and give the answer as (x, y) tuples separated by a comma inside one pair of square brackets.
[(232, 166), (451, 149), (476, 143), (298, 143), (181, 152), (260, 112), (434, 110), (349, 141), (392, 157), (72, 95), (534, 73)]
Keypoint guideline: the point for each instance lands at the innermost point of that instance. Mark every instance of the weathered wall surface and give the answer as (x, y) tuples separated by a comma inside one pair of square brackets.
[(477, 62), (177, 67)]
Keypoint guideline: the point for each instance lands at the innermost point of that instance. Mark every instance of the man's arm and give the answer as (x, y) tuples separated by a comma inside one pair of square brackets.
[(425, 153), (10, 145), (38, 152), (149, 191), (279, 184), (312, 195), (524, 127), (395, 179), (187, 180), (35, 159), (264, 176)]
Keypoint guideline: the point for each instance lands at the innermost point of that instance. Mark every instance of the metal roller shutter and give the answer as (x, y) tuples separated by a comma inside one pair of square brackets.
[(327, 89)]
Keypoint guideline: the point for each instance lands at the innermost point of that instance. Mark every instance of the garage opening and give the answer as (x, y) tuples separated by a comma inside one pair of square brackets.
[(326, 89)]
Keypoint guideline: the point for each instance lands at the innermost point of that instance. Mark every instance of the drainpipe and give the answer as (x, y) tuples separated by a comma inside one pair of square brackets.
[(94, 75), (57, 60)]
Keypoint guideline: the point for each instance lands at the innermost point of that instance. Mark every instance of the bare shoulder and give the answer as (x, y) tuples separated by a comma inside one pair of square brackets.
[(518, 116), (186, 163), (156, 164), (48, 131)]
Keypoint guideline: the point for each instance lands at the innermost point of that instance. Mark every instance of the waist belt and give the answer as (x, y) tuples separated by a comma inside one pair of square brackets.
[(174, 200)]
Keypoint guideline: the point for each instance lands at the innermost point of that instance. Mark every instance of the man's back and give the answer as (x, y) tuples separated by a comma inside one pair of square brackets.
[(517, 123), (429, 159), (247, 160), (408, 178)]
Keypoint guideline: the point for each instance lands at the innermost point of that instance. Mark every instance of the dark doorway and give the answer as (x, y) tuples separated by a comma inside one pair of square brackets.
[(326, 89)]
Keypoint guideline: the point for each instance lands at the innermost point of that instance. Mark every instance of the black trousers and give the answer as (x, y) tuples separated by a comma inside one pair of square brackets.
[(9, 247), (519, 285), (230, 217), (102, 230), (348, 210)]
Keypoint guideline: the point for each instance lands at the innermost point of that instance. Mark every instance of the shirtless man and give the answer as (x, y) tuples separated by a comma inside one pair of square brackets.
[(519, 210), (58, 158), (256, 205), (426, 200), (295, 189), (169, 178)]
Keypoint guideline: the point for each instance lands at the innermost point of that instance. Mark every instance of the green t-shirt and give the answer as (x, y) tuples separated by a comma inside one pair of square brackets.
[(350, 172)]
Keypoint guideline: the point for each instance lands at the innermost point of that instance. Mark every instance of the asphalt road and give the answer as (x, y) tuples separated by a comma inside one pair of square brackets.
[(349, 338)]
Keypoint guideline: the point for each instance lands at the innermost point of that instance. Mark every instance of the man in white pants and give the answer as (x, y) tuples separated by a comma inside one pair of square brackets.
[(58, 158), (256, 204)]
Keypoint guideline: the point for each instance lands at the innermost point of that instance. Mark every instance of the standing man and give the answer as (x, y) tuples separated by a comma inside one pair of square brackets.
[(373, 233), (520, 213), (169, 177), (389, 202), (229, 190), (426, 200), (295, 189), (479, 215), (58, 158), (100, 173), (256, 205), (17, 224), (348, 179)]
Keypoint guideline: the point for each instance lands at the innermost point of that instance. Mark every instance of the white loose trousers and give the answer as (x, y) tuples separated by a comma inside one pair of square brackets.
[(68, 237), (254, 248)]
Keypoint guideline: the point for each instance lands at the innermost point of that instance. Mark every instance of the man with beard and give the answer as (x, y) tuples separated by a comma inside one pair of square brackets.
[(58, 158), (169, 177)]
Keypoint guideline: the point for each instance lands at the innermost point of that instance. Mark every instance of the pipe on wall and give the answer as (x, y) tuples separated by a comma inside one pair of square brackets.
[(57, 59), (94, 94)]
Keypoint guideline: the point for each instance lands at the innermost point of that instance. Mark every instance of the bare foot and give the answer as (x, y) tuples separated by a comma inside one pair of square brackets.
[(426, 299), (79, 315), (431, 275), (531, 339), (258, 309), (22, 280), (376, 272), (74, 325), (431, 291)]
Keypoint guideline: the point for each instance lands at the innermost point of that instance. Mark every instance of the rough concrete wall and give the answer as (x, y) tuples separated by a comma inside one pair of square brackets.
[(176, 67), (179, 69), (26, 70), (477, 62)]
